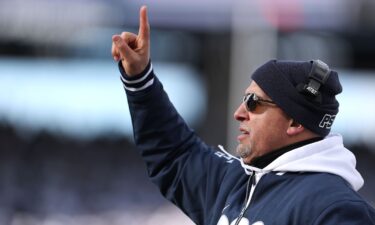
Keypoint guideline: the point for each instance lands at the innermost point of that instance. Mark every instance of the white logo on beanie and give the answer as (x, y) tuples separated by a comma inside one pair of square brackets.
[(327, 121)]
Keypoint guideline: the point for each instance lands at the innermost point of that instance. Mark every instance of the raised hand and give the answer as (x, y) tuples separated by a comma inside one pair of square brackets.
[(133, 50)]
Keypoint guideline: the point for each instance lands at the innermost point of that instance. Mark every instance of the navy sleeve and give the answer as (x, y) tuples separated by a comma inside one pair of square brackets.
[(187, 171), (347, 212)]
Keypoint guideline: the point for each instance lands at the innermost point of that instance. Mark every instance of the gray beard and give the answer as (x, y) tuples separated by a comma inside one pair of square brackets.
[(243, 150)]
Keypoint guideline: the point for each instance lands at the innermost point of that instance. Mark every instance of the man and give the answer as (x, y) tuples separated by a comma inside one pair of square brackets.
[(290, 171)]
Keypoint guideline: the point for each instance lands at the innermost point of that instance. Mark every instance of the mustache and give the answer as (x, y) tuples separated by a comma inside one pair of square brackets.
[(244, 128)]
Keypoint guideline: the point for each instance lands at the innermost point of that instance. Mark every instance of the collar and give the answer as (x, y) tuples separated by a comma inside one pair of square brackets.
[(266, 159)]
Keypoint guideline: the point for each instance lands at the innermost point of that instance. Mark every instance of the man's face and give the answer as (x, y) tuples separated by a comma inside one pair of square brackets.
[(263, 130)]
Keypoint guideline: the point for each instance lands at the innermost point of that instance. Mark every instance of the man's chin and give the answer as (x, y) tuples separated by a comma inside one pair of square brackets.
[(243, 151)]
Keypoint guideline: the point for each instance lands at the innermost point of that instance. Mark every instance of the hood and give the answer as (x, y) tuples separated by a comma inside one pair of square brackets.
[(328, 155)]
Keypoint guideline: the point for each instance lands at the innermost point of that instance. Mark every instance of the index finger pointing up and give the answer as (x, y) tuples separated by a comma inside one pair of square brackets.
[(144, 27)]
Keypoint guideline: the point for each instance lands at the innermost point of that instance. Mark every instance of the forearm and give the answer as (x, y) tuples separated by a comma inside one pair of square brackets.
[(159, 132)]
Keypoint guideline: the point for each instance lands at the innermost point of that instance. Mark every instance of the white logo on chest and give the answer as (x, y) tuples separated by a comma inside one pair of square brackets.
[(244, 221)]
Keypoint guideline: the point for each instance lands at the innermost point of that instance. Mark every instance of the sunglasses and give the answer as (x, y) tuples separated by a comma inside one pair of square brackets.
[(251, 101)]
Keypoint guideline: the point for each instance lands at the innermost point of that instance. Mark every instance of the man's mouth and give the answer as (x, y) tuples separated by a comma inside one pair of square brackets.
[(244, 133)]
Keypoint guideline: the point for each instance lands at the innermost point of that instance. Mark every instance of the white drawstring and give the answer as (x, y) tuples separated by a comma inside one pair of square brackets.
[(248, 169), (227, 153)]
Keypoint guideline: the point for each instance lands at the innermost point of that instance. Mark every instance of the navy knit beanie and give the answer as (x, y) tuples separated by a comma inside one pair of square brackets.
[(282, 82)]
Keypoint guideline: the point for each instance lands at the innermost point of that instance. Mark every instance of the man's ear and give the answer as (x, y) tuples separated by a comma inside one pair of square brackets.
[(294, 128)]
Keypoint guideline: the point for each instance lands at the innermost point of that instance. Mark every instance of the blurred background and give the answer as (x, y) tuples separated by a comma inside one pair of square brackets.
[(66, 149)]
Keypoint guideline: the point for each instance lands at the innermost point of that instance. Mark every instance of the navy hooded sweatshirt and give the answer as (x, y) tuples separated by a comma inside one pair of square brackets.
[(312, 184)]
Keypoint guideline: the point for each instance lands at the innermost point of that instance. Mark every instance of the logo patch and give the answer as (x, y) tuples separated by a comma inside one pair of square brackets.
[(327, 121), (222, 155)]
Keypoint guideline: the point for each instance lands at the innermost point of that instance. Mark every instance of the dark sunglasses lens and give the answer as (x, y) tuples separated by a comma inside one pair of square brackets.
[(251, 104)]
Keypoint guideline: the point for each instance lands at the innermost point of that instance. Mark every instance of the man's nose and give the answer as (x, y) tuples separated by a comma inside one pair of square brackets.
[(241, 113)]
